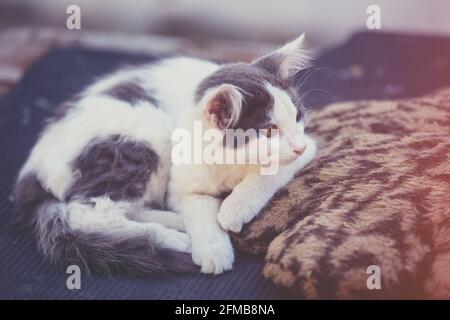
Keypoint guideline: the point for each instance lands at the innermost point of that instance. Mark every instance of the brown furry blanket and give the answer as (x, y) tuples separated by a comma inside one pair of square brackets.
[(378, 193)]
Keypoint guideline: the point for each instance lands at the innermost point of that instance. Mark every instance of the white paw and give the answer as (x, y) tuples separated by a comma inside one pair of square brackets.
[(213, 254), (175, 240), (233, 215)]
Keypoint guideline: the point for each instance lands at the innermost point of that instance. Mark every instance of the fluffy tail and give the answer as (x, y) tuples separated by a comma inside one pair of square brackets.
[(134, 251)]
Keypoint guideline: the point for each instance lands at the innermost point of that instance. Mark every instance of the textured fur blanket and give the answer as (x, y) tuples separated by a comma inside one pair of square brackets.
[(378, 193)]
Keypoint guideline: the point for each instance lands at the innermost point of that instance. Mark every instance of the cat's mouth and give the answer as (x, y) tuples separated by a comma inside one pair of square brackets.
[(297, 153), (300, 150)]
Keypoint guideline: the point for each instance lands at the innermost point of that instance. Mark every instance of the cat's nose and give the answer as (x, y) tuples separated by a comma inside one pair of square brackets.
[(299, 149)]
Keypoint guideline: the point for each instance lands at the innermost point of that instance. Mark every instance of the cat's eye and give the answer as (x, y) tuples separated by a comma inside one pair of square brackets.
[(299, 116), (272, 130)]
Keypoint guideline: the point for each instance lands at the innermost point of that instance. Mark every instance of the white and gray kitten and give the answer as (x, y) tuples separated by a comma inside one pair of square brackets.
[(99, 187)]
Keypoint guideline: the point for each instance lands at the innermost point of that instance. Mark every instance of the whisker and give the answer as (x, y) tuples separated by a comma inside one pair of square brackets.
[(309, 73), (305, 77), (334, 99)]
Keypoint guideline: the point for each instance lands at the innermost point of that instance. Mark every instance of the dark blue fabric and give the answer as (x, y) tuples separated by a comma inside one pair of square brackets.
[(371, 65), (378, 65)]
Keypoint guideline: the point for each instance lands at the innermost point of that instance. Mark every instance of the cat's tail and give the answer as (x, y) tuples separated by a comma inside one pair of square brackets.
[(96, 237)]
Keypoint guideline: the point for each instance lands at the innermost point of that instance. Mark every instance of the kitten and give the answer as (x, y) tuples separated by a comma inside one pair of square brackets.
[(100, 189)]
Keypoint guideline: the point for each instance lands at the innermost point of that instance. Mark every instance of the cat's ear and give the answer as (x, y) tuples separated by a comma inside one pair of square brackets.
[(222, 106), (287, 60)]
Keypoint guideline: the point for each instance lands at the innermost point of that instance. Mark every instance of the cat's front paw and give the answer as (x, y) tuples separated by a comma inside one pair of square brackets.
[(233, 215), (213, 254)]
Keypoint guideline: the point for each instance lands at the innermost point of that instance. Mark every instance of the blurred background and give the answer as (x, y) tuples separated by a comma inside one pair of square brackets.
[(407, 56), (326, 22)]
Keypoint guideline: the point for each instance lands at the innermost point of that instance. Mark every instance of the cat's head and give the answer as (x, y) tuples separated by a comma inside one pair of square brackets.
[(260, 95)]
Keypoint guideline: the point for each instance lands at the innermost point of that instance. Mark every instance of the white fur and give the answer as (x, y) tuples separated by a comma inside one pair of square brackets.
[(110, 217), (254, 191), (97, 115), (193, 189), (100, 115)]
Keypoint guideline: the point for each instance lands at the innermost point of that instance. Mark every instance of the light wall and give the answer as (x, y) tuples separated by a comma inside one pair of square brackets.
[(326, 22)]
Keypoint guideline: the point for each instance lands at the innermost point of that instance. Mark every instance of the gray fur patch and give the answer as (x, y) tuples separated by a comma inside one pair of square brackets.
[(258, 102), (135, 255), (113, 166), (131, 92), (270, 63), (29, 196)]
